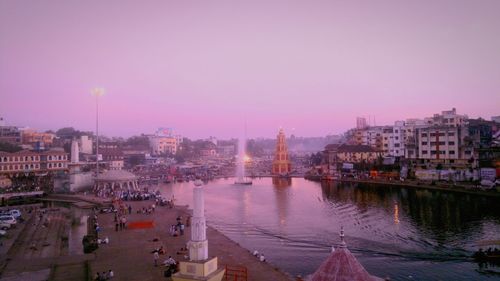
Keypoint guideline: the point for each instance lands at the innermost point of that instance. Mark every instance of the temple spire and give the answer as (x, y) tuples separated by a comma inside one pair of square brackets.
[(343, 244), (281, 164)]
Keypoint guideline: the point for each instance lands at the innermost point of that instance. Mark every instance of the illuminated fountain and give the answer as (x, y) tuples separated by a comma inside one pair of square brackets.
[(240, 165)]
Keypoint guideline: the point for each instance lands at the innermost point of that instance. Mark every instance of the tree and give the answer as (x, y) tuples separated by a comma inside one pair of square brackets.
[(8, 147), (254, 149), (141, 140), (66, 132)]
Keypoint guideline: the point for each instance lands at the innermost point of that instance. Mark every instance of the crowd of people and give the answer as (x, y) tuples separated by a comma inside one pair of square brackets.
[(104, 275)]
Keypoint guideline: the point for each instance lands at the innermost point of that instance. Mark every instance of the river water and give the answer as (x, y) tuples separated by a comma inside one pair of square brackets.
[(401, 233)]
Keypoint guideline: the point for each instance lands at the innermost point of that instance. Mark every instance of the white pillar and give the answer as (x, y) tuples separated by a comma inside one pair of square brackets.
[(198, 246), (75, 158)]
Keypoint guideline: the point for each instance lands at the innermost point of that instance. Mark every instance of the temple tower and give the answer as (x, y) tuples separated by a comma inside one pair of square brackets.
[(281, 163), (199, 267)]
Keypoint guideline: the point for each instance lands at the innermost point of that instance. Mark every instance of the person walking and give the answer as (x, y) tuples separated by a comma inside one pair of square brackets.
[(156, 256)]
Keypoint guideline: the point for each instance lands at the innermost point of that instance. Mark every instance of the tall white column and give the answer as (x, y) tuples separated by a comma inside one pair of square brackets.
[(74, 152), (198, 246)]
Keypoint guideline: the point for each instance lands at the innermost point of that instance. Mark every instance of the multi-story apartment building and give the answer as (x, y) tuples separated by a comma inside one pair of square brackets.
[(163, 145), (447, 118), (372, 136), (112, 154), (361, 123), (32, 137), (85, 145), (443, 145), (164, 141), (10, 134), (32, 161)]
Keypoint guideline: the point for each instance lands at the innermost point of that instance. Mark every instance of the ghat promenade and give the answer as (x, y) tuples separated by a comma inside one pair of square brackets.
[(128, 253)]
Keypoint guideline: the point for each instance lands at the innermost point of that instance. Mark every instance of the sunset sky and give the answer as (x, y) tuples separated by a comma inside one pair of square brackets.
[(204, 67)]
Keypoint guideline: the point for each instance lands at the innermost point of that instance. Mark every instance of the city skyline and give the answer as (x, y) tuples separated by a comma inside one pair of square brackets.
[(311, 68)]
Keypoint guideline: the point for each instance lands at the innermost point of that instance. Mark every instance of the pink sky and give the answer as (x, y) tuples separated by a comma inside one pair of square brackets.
[(204, 67)]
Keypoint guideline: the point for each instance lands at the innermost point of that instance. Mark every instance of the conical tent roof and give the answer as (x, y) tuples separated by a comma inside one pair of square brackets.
[(341, 265)]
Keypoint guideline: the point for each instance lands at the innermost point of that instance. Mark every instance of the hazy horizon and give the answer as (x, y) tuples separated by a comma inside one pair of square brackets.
[(206, 69)]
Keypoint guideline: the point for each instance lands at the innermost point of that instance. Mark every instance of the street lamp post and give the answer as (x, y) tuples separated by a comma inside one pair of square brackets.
[(97, 92)]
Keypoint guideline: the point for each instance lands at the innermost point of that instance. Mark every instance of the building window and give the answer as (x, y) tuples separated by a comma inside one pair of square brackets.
[(468, 152), (423, 152), (424, 143), (451, 152), (433, 143), (424, 135), (451, 143), (433, 152), (451, 134), (433, 134), (442, 143)]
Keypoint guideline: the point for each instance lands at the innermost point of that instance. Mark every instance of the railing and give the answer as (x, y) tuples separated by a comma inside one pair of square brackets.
[(235, 273)]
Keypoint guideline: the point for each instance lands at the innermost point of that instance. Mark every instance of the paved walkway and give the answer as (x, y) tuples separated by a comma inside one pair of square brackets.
[(129, 252)]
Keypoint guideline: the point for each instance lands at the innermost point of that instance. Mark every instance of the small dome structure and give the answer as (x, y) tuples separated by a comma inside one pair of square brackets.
[(341, 265), (113, 183)]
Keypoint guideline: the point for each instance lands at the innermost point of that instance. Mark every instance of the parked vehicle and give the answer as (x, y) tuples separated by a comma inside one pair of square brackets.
[(3, 232), (4, 225), (15, 213), (488, 183), (8, 219)]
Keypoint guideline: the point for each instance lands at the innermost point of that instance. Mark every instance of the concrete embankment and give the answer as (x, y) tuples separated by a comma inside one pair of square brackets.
[(40, 249), (129, 253), (423, 185)]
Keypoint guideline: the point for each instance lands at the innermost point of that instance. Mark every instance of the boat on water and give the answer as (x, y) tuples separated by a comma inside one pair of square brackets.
[(198, 182), (243, 181), (489, 255)]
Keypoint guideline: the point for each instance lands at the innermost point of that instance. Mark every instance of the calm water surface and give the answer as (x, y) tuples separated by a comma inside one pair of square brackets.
[(405, 234)]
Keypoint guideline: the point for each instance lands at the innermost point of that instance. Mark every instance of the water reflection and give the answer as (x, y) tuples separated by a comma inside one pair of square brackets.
[(281, 192), (396, 214), (444, 215), (393, 231)]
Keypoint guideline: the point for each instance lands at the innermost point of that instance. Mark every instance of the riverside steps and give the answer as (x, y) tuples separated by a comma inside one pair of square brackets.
[(129, 252)]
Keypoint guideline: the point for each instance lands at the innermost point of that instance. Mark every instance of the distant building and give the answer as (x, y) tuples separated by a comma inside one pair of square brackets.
[(357, 153), (32, 137), (281, 164), (443, 145), (112, 154), (10, 134), (32, 161), (495, 119), (226, 149), (164, 141), (209, 149), (447, 118), (85, 145), (163, 145), (361, 123)]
